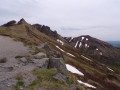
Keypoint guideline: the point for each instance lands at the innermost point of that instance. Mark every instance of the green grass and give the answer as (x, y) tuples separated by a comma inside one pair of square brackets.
[(19, 84), (26, 56), (46, 80)]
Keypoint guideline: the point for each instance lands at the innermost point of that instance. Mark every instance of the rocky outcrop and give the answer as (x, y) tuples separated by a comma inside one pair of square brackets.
[(50, 52), (22, 21), (59, 64), (46, 30), (10, 23)]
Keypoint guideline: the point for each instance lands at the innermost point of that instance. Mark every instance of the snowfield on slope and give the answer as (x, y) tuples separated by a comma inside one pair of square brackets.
[(73, 70), (86, 58), (60, 41), (86, 84), (65, 52)]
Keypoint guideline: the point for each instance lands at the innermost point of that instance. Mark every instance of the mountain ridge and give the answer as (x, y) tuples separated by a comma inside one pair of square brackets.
[(96, 73)]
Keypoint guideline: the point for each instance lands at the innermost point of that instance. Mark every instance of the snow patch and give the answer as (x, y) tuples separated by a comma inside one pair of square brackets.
[(76, 44), (85, 45), (101, 53), (86, 58), (80, 44), (110, 69), (97, 49), (70, 54), (71, 39), (86, 84), (60, 49), (82, 38), (60, 41), (64, 51), (73, 70), (86, 39)]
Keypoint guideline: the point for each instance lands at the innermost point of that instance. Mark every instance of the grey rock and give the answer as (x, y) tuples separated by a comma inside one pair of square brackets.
[(59, 64), (73, 87), (40, 55), (60, 76), (24, 60), (41, 63)]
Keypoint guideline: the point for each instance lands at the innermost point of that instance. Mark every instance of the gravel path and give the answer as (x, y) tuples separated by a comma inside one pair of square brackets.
[(9, 49)]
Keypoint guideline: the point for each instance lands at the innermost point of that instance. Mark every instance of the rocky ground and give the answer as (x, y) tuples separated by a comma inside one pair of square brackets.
[(13, 65)]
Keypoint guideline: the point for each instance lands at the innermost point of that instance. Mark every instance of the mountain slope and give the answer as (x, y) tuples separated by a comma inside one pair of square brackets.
[(96, 49), (95, 73)]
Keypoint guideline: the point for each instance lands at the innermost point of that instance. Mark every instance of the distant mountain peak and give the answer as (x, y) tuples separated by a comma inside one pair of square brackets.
[(22, 21)]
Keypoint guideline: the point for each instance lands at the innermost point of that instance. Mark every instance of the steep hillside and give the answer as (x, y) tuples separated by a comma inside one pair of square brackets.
[(87, 70), (96, 49)]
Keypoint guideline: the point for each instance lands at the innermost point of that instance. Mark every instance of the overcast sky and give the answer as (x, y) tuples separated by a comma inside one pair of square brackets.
[(98, 18)]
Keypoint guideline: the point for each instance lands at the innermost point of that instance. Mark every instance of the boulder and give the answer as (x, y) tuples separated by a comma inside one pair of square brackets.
[(60, 76), (59, 64), (3, 60), (40, 55), (41, 63)]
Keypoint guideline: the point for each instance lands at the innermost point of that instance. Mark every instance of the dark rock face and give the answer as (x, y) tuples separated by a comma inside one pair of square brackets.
[(59, 64), (46, 30), (11, 23)]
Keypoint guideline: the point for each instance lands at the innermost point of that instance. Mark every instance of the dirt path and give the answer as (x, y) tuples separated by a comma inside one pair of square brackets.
[(9, 49)]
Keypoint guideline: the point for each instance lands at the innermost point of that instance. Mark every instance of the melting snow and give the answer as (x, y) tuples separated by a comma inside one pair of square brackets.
[(70, 54), (86, 84), (60, 49), (60, 41), (110, 69), (100, 53), (82, 38), (73, 70), (86, 58), (97, 49), (64, 51), (87, 39), (71, 39), (85, 45), (76, 44), (80, 44)]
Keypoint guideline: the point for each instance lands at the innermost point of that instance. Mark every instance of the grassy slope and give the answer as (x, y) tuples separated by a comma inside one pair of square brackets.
[(95, 73)]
